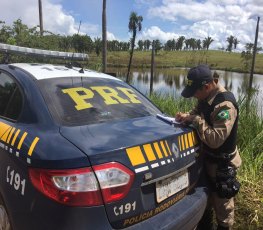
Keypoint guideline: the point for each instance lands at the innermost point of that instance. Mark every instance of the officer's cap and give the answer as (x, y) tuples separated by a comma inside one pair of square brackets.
[(196, 78)]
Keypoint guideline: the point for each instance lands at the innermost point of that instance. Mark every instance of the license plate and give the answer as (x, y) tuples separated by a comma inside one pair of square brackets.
[(168, 187)]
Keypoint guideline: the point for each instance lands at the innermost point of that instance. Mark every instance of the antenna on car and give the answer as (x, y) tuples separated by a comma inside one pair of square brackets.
[(77, 34), (70, 65)]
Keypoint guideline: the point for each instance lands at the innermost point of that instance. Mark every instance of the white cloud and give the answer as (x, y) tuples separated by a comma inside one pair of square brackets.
[(244, 30), (58, 22), (55, 18), (110, 36), (190, 10), (155, 32), (217, 19)]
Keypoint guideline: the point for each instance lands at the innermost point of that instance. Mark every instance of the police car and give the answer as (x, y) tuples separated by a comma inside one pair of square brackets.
[(84, 150)]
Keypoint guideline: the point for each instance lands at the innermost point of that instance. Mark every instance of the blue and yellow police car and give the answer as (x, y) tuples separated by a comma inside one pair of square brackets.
[(84, 150)]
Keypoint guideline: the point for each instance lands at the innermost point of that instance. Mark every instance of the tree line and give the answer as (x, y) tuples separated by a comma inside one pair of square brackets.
[(181, 43), (21, 35)]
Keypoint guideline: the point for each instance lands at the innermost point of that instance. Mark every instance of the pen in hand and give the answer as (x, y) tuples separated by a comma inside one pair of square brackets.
[(184, 118)]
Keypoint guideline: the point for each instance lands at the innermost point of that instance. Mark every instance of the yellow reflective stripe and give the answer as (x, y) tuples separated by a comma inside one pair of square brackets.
[(31, 149), (182, 142), (195, 138), (168, 148), (149, 152), (158, 151), (179, 142), (10, 135), (14, 139), (4, 131), (163, 148), (3, 128), (186, 141), (21, 140), (190, 140), (135, 155)]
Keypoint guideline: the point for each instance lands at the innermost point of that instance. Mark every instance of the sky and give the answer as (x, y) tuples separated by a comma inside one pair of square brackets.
[(162, 19)]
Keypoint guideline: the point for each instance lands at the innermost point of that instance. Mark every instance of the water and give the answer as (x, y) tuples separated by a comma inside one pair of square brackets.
[(172, 81)]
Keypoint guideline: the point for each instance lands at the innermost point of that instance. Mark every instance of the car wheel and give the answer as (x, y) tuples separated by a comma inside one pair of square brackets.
[(4, 220)]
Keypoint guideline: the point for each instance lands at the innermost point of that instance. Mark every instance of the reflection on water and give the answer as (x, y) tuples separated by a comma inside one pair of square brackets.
[(172, 81)]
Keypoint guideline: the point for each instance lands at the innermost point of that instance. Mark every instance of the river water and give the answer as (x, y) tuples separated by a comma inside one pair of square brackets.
[(172, 81)]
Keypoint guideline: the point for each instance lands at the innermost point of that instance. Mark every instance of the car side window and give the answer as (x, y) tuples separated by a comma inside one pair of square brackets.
[(10, 97)]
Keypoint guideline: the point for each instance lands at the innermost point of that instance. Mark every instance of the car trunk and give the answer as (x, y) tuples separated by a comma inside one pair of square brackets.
[(163, 158)]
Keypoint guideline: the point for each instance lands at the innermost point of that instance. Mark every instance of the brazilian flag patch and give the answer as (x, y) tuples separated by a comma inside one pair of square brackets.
[(223, 115)]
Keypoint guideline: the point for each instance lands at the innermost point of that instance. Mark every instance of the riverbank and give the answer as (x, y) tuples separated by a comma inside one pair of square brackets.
[(216, 59)]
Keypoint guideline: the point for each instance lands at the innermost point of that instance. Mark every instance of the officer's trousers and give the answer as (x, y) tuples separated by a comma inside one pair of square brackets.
[(224, 210), (223, 207)]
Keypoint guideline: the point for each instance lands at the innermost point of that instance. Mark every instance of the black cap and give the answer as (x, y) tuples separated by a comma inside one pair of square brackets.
[(196, 78)]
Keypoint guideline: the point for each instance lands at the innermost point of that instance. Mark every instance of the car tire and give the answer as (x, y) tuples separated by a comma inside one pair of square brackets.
[(4, 219)]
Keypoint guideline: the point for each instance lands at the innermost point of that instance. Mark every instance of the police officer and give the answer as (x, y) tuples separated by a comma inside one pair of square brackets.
[(215, 119)]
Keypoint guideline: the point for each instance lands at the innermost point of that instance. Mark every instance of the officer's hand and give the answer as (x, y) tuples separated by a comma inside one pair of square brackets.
[(179, 117), (184, 118)]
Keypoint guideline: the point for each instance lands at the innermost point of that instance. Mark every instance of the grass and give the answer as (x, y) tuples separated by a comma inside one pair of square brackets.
[(216, 59), (249, 201), (220, 60)]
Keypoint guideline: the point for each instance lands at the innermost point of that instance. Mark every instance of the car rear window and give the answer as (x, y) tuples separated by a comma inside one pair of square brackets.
[(87, 100)]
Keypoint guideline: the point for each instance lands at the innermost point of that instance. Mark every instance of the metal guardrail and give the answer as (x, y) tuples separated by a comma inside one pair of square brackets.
[(42, 53)]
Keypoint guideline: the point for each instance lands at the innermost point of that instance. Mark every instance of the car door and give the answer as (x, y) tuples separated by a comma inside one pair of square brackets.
[(12, 180)]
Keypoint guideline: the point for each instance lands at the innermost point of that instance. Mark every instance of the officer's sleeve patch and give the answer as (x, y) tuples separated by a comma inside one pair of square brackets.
[(223, 115)]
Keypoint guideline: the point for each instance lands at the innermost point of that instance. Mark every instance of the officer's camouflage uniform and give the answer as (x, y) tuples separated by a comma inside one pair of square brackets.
[(214, 136)]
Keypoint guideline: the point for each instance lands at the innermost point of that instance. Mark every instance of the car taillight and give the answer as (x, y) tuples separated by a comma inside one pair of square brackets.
[(115, 180), (75, 187), (81, 187)]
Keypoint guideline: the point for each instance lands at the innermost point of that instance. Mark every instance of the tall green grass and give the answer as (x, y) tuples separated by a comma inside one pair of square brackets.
[(249, 214), (249, 201)]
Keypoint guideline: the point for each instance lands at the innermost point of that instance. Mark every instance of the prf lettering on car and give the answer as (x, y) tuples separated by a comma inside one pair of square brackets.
[(81, 95)]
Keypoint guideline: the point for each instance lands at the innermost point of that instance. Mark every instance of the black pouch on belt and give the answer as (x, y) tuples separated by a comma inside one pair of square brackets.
[(227, 185)]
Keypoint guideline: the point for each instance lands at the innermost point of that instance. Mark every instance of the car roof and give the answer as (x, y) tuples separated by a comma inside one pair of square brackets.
[(46, 71)]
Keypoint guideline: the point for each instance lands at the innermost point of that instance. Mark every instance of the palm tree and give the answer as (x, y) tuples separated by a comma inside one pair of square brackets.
[(135, 24), (207, 42), (180, 43), (187, 43), (235, 43), (140, 45), (230, 41), (157, 46), (198, 44), (147, 44), (104, 38), (192, 43)]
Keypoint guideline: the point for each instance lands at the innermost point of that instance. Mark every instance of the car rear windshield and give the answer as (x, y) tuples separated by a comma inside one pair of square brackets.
[(87, 100)]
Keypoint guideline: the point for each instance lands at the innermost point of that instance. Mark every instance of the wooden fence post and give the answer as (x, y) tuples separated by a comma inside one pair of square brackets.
[(152, 68)]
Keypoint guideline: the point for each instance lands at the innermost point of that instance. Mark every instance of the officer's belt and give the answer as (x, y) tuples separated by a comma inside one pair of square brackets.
[(220, 156)]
